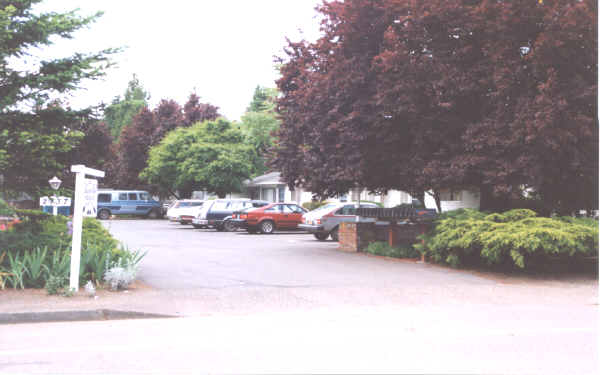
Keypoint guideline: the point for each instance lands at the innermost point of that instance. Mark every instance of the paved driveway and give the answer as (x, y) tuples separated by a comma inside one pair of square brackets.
[(180, 257), (285, 303), (205, 271)]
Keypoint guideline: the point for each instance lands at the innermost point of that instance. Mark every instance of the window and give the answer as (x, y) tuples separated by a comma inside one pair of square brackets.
[(346, 210), (144, 196), (122, 196), (133, 196), (286, 209), (450, 195), (220, 206), (281, 194), (296, 209), (196, 204), (104, 198), (272, 209)]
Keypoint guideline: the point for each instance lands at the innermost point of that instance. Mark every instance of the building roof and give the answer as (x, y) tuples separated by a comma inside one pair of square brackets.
[(273, 178)]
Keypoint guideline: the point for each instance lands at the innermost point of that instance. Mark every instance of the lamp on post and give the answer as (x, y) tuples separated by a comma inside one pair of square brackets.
[(54, 184)]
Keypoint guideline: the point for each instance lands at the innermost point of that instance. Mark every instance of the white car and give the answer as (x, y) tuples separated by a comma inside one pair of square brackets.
[(184, 209)]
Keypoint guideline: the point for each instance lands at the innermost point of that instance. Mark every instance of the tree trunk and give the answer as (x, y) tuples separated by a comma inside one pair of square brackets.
[(438, 201), (492, 202)]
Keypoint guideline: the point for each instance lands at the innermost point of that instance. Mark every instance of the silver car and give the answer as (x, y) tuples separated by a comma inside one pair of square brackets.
[(325, 220)]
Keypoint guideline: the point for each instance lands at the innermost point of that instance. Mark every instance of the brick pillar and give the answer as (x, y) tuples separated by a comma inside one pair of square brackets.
[(348, 235), (392, 234)]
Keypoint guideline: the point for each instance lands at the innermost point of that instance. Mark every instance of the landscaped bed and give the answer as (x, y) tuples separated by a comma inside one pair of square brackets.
[(36, 253), (513, 239)]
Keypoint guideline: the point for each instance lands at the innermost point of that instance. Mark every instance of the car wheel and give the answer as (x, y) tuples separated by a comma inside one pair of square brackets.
[(152, 214), (219, 228), (321, 236), (267, 227), (335, 235), (104, 214), (229, 226)]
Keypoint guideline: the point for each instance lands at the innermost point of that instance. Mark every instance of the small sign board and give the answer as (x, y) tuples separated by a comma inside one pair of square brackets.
[(55, 201), (90, 197)]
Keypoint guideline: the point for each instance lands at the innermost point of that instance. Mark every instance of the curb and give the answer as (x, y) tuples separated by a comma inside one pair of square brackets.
[(71, 316)]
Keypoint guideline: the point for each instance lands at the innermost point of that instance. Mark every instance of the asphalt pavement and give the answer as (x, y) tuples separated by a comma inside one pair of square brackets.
[(286, 303)]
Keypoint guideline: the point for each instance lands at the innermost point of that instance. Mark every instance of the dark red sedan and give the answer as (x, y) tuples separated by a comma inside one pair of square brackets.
[(282, 216)]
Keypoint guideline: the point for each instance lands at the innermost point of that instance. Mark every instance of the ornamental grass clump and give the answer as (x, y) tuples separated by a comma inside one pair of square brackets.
[(516, 238)]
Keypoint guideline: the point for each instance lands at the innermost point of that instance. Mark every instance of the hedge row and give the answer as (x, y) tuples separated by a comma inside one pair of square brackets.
[(516, 238)]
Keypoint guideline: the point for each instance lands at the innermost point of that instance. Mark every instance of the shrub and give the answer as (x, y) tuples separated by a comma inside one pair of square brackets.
[(516, 238), (55, 284), (383, 248), (39, 252), (313, 205), (5, 209)]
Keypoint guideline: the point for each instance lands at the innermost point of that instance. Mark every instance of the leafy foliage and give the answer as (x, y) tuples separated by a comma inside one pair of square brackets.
[(207, 156), (5, 209), (121, 111), (260, 123), (147, 130), (38, 136), (313, 205), (383, 248), (515, 238), (38, 253), (438, 94)]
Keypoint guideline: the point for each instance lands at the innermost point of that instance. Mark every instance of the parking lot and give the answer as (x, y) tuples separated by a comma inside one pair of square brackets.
[(287, 303), (207, 271)]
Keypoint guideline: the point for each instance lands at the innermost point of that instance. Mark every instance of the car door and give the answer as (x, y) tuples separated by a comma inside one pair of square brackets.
[(292, 215), (123, 203), (274, 213)]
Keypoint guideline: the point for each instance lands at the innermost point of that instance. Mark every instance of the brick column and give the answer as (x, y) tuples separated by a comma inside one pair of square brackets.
[(348, 237)]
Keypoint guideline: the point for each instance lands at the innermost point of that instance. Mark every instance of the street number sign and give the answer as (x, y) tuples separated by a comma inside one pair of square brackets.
[(55, 201)]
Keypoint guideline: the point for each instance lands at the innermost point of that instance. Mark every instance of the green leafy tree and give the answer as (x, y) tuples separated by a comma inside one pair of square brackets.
[(39, 136), (206, 156), (121, 111), (263, 100), (259, 124)]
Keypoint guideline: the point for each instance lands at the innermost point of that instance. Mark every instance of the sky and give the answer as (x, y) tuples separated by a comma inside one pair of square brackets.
[(220, 49)]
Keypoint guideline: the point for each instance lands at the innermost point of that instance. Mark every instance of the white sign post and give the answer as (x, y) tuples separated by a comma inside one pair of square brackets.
[(82, 199)]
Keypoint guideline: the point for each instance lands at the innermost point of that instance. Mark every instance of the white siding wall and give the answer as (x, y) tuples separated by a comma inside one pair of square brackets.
[(396, 197), (469, 199)]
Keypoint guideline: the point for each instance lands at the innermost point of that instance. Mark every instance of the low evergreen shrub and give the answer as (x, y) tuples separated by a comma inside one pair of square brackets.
[(383, 248), (516, 238)]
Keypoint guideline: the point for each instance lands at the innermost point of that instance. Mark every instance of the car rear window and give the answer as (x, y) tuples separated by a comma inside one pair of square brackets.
[(328, 206), (220, 206)]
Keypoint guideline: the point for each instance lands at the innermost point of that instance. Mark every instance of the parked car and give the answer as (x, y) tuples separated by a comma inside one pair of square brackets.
[(218, 213), (187, 214), (127, 202), (269, 218), (183, 207), (325, 220)]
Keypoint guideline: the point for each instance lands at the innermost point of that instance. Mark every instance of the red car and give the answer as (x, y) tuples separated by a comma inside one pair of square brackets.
[(269, 218)]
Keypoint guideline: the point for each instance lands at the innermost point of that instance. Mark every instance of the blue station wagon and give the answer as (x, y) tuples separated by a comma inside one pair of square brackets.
[(127, 202)]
